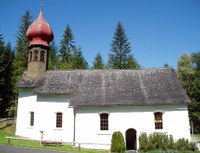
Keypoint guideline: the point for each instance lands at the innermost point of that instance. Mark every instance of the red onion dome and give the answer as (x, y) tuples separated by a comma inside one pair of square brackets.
[(39, 32)]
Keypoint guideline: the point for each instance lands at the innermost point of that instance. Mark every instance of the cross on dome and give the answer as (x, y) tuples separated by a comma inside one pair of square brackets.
[(40, 32)]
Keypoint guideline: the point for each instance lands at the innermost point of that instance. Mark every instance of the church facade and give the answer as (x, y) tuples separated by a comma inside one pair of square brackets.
[(87, 106)]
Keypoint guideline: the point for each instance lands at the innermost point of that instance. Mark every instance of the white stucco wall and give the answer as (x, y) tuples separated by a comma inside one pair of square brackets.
[(140, 118), (45, 109)]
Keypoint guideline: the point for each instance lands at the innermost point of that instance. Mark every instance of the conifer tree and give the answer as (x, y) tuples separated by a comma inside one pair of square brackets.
[(67, 44), (77, 59), (70, 57), (6, 75), (53, 58), (21, 50), (98, 62), (120, 58)]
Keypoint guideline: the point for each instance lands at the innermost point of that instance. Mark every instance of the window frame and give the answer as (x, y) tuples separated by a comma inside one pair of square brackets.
[(36, 53), (30, 56), (59, 119), (104, 121), (32, 119), (42, 56), (158, 120)]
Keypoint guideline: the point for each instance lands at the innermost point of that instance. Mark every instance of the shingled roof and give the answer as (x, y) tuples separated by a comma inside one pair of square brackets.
[(112, 87)]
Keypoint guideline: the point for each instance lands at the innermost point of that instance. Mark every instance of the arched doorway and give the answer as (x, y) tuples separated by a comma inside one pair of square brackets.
[(131, 139)]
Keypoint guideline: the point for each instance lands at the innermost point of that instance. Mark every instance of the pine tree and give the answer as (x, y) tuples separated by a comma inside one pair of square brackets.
[(53, 58), (21, 54), (98, 62), (77, 59), (120, 58), (131, 63), (70, 56), (67, 44), (6, 75)]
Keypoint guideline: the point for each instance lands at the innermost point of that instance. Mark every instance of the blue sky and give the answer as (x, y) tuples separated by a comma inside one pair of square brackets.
[(159, 30)]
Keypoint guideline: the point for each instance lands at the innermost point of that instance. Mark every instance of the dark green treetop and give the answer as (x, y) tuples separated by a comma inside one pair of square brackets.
[(120, 58), (67, 44), (6, 76), (98, 62)]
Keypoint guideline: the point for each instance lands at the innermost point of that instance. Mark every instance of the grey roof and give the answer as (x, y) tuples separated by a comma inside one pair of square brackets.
[(113, 87)]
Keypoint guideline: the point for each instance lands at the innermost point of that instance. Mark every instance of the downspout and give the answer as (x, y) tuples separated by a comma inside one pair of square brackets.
[(74, 132)]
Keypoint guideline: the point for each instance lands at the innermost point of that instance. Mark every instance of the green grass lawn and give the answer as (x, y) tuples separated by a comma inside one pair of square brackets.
[(197, 136), (9, 131)]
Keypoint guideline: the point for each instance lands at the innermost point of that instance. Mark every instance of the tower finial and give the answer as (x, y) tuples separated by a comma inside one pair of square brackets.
[(41, 7)]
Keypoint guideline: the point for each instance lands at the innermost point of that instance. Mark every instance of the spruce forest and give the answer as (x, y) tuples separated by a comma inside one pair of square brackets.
[(67, 55)]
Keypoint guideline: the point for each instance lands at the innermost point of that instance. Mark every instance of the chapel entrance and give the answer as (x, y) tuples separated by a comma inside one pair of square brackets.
[(131, 139)]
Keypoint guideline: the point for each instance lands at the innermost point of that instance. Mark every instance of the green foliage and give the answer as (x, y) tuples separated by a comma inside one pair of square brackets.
[(6, 76), (67, 45), (12, 110), (77, 60), (144, 142), (158, 141), (189, 75), (117, 143), (53, 58), (70, 56), (183, 144), (120, 58), (98, 62), (161, 141), (21, 50)]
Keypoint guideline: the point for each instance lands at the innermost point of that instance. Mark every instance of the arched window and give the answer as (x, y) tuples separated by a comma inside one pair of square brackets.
[(30, 56), (158, 120), (35, 55), (104, 121), (59, 120), (42, 56)]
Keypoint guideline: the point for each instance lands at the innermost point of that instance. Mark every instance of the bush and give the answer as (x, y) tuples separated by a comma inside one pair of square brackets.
[(143, 140), (183, 144), (161, 141), (158, 141), (117, 143)]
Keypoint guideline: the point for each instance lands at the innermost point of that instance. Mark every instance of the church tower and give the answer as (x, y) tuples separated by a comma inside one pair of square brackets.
[(40, 35)]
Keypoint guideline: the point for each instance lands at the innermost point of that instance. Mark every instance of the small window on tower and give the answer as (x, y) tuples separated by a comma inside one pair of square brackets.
[(42, 56), (35, 55), (30, 56)]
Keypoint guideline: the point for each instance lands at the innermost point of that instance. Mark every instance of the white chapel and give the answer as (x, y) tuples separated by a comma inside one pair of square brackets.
[(87, 106)]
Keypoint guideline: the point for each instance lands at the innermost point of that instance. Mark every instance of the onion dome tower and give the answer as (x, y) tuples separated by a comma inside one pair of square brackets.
[(40, 35)]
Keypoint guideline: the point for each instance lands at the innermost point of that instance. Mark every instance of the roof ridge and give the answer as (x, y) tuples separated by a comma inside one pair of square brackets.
[(75, 70)]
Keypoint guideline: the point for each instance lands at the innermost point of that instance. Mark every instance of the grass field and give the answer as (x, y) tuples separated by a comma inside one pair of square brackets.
[(9, 131)]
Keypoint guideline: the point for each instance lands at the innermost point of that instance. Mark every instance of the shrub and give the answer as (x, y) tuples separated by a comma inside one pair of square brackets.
[(171, 142), (143, 141), (161, 141), (183, 144), (158, 141), (117, 143)]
